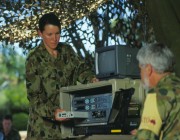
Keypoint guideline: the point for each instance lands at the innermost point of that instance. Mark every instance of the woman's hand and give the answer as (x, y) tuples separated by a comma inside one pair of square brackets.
[(94, 80), (57, 117)]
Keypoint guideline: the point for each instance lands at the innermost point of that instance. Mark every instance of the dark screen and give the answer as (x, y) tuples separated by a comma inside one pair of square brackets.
[(106, 62)]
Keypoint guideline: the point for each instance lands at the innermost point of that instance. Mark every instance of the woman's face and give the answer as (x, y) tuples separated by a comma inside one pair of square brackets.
[(50, 36)]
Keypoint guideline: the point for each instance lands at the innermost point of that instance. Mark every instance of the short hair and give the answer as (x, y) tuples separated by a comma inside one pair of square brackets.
[(158, 55), (7, 117), (49, 18)]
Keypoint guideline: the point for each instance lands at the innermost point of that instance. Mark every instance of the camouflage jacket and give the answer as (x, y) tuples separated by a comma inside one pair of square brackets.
[(161, 113), (45, 75), (13, 135)]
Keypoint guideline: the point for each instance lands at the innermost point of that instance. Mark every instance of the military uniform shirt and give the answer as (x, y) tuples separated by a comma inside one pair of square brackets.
[(161, 113), (45, 75)]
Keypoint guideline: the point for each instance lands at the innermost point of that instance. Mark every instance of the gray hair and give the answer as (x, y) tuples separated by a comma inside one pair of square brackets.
[(158, 55)]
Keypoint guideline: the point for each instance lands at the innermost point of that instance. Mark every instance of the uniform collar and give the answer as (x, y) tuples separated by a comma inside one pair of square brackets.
[(45, 53)]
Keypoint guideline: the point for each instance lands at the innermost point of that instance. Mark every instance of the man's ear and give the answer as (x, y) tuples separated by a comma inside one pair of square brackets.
[(149, 69)]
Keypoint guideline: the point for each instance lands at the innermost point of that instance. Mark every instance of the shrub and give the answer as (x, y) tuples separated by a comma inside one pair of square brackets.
[(20, 121)]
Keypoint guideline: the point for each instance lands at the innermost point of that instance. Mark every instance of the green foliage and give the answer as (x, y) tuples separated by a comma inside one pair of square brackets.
[(17, 99), (20, 121), (12, 82), (12, 64), (4, 99)]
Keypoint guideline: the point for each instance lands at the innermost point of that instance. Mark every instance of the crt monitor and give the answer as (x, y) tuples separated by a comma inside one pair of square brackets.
[(116, 61)]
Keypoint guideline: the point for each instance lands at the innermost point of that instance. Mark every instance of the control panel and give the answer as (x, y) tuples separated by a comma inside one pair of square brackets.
[(97, 106)]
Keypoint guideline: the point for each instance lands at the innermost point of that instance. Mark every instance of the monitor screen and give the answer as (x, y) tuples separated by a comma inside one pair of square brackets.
[(106, 61)]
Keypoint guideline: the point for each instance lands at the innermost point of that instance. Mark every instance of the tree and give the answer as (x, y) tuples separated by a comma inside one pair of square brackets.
[(12, 81)]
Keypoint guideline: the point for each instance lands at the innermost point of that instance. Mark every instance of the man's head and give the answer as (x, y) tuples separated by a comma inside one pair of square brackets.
[(155, 61), (49, 30), (7, 123)]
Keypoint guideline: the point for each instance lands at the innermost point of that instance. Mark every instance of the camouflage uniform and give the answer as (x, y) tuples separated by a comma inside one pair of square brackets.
[(44, 77), (161, 113), (12, 135)]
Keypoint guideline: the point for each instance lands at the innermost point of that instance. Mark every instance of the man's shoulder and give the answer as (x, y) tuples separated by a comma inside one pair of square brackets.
[(166, 88), (175, 79), (170, 79)]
